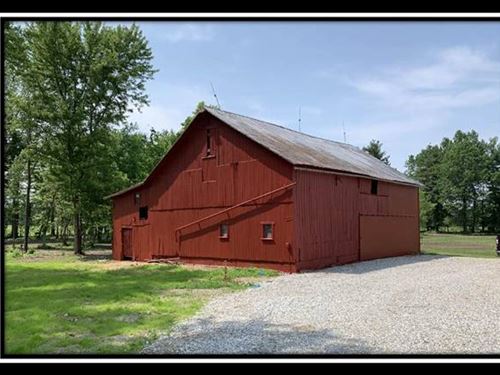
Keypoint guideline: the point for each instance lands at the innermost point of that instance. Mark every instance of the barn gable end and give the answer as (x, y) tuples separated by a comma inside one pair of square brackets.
[(190, 184)]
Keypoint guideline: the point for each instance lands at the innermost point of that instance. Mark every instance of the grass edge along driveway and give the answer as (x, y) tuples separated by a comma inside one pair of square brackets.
[(65, 305)]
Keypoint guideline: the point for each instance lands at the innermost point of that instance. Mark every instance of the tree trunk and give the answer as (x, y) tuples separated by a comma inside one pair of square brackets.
[(64, 235), (464, 214), (15, 220), (77, 244), (474, 205), (27, 209), (53, 218)]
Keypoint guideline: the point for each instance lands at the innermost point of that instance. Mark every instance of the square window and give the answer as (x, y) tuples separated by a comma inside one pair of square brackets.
[(224, 231), (374, 188), (143, 213), (267, 231)]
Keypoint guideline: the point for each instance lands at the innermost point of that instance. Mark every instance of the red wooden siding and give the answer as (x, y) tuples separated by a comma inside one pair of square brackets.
[(189, 186), (386, 236), (326, 219), (328, 210), (321, 219)]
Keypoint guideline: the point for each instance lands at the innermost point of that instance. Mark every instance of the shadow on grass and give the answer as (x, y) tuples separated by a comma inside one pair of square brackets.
[(381, 264), (53, 309), (252, 337)]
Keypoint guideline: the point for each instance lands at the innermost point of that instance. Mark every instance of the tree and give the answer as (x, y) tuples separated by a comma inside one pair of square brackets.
[(22, 128), (200, 106), (464, 171), (491, 213), (83, 78), (425, 167), (374, 148)]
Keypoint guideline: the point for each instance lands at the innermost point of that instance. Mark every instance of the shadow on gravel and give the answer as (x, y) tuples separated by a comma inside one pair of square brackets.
[(381, 264), (253, 337)]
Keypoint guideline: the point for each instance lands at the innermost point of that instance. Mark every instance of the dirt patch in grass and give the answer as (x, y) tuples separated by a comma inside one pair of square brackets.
[(71, 305)]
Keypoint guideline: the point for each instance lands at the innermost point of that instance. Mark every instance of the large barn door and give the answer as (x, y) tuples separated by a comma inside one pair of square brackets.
[(127, 243), (387, 236)]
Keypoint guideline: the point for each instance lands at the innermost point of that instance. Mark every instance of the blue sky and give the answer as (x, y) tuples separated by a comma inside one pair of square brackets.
[(405, 84)]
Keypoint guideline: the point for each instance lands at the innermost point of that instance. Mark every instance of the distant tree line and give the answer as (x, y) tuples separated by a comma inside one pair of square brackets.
[(461, 178), (461, 182)]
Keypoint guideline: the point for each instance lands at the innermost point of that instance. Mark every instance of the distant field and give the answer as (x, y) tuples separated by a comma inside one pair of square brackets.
[(481, 246)]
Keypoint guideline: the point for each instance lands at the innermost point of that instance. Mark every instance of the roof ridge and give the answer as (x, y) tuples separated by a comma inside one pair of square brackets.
[(311, 136), (284, 127)]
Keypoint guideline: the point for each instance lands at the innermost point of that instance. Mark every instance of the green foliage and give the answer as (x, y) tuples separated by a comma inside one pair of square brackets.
[(374, 148), (70, 85), (461, 183)]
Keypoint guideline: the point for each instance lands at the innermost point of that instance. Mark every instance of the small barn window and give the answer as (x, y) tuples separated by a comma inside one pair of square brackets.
[(209, 143), (224, 231), (374, 188), (143, 213), (137, 198), (267, 231)]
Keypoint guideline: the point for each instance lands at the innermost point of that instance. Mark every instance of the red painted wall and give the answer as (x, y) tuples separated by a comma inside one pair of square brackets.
[(188, 186), (316, 223), (328, 208)]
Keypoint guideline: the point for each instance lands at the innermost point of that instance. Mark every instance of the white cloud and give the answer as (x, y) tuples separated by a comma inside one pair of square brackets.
[(171, 109), (408, 105), (190, 32), (459, 77)]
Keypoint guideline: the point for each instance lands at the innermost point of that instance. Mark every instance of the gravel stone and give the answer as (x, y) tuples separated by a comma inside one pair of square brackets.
[(405, 305)]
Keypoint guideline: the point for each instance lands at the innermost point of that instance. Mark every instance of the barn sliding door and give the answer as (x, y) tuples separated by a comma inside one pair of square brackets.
[(387, 236)]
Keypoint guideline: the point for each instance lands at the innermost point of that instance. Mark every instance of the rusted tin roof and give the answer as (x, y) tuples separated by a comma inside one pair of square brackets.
[(301, 149)]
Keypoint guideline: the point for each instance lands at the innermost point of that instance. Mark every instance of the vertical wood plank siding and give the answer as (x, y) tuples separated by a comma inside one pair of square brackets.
[(189, 186), (328, 211), (325, 219)]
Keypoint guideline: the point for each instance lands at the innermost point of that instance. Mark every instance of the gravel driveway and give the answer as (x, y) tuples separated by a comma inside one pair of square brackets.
[(413, 304)]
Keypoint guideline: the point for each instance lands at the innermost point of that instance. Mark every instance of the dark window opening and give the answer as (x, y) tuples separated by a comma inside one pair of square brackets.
[(137, 198), (224, 231), (209, 143), (374, 189), (267, 231), (143, 213)]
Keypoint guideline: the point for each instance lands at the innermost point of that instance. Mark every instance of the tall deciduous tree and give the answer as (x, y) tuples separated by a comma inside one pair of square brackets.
[(374, 148), (464, 169), (83, 79), (426, 168)]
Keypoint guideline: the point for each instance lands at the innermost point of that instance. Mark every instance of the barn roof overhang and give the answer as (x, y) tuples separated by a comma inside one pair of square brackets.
[(299, 149)]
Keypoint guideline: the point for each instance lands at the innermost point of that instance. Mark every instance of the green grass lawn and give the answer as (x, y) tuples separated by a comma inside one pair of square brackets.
[(57, 303), (481, 246)]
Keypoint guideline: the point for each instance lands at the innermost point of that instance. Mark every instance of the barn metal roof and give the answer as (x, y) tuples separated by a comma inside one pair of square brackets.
[(301, 149), (304, 150)]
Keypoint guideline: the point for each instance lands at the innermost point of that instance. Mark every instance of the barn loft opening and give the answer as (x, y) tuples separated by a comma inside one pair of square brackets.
[(143, 213), (374, 188), (209, 143)]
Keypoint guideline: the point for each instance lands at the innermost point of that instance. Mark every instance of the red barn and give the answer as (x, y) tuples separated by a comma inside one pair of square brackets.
[(245, 192)]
